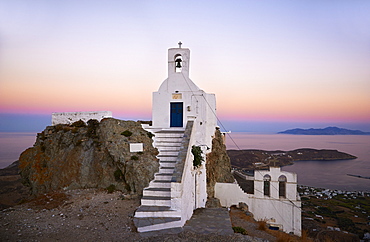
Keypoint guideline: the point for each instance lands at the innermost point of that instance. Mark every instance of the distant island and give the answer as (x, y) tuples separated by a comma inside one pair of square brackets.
[(262, 159), (325, 131)]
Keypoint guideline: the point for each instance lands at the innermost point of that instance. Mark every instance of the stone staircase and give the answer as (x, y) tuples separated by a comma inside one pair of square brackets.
[(155, 212)]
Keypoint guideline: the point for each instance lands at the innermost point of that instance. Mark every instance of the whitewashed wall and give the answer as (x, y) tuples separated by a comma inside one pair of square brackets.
[(275, 211), (178, 87), (183, 193), (284, 212), (71, 117), (275, 173)]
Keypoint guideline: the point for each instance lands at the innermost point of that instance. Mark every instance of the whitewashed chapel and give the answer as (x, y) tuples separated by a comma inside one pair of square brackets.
[(183, 116)]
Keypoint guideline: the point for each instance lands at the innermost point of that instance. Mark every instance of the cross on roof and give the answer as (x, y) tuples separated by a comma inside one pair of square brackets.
[(180, 44)]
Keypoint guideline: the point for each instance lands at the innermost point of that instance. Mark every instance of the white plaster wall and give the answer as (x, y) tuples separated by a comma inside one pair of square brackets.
[(183, 193), (198, 106), (196, 102), (275, 173), (201, 182), (191, 192), (71, 117), (274, 211)]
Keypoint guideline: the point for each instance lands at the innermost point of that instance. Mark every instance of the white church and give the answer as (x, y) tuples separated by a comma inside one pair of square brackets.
[(184, 116)]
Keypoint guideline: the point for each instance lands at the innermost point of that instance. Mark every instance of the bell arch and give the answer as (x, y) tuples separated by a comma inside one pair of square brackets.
[(266, 185), (178, 63), (282, 186)]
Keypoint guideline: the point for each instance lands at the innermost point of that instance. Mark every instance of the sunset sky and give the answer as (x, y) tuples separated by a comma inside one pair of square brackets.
[(272, 64)]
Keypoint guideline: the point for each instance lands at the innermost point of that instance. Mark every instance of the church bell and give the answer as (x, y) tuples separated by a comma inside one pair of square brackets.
[(178, 63)]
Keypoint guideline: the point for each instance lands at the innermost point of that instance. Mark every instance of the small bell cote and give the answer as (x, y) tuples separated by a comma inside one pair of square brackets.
[(178, 61)]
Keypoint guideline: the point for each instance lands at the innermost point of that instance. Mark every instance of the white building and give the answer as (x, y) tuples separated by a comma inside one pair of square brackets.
[(185, 116), (274, 198), (71, 117)]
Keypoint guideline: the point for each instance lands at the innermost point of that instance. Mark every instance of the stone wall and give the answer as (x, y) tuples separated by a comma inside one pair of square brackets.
[(71, 117)]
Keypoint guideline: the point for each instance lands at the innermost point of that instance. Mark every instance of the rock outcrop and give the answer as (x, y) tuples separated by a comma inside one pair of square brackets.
[(218, 164), (96, 155)]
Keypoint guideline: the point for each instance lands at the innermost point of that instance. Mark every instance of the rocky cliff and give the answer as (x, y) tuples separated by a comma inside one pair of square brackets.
[(92, 155), (218, 164)]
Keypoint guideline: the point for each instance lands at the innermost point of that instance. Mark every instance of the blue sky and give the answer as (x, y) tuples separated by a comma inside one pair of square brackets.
[(271, 64)]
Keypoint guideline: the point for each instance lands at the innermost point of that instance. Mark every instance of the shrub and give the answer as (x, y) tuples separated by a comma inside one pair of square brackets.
[(345, 223), (126, 133), (92, 125), (58, 127), (150, 135), (134, 157), (197, 153), (118, 175), (75, 130), (79, 124), (240, 230), (261, 225), (284, 237), (111, 188)]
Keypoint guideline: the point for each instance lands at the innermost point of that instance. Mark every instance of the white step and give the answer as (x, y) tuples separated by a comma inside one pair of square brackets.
[(163, 176), (173, 153), (166, 170), (169, 139), (155, 201), (167, 157), (168, 148), (168, 163), (159, 192), (161, 226), (156, 211), (159, 184), (167, 143), (170, 134)]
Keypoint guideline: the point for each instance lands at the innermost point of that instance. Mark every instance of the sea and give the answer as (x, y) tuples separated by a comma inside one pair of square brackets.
[(323, 174)]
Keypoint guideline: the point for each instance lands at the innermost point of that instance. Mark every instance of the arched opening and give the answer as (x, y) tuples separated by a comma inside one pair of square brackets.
[(282, 186), (178, 63), (266, 185)]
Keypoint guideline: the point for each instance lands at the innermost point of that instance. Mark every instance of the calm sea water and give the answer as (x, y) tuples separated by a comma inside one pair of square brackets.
[(328, 174), (12, 145), (325, 174)]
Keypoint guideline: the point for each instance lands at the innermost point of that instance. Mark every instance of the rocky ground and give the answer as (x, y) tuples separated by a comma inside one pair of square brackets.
[(91, 214)]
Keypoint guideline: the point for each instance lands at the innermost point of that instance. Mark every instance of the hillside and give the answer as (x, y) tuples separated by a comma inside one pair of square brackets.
[(325, 131), (261, 159)]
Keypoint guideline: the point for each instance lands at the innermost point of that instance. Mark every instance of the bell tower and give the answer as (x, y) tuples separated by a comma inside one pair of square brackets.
[(179, 99), (178, 61)]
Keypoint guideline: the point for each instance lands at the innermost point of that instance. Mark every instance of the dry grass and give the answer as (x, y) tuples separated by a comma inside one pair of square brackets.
[(284, 237), (304, 236), (48, 201), (261, 225)]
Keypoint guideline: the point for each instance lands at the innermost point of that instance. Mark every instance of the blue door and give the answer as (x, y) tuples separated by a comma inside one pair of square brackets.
[(176, 117)]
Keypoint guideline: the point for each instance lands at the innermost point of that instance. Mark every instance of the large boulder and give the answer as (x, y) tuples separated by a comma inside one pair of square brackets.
[(96, 155), (218, 164)]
